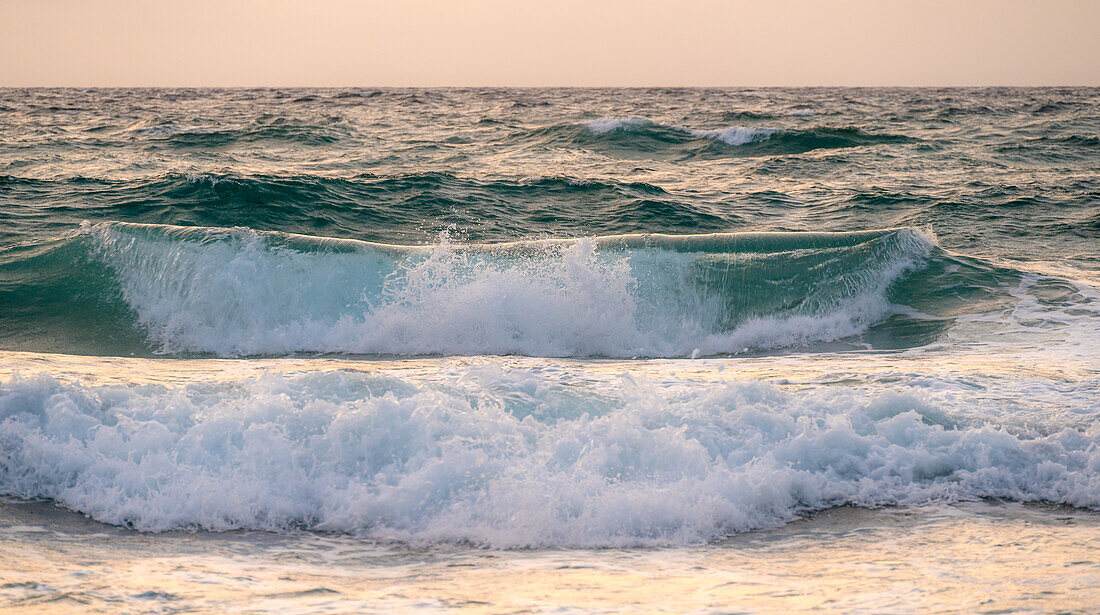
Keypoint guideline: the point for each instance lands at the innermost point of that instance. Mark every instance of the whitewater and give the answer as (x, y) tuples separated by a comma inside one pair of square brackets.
[(345, 342)]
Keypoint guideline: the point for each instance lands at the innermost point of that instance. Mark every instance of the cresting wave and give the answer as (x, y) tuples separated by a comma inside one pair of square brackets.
[(734, 135), (514, 457), (236, 292), (640, 136)]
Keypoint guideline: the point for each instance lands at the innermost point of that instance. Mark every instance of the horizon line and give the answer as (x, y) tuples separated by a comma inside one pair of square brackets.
[(540, 87)]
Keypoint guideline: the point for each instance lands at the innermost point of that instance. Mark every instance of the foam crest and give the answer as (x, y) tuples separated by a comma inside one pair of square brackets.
[(605, 125), (238, 292), (513, 457), (736, 135)]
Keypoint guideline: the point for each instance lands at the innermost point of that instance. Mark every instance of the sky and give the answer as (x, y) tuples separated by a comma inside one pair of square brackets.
[(281, 43)]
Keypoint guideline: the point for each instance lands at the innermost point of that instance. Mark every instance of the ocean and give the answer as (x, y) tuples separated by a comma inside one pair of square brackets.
[(550, 350)]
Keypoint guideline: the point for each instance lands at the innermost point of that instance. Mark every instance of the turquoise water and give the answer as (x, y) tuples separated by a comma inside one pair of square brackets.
[(546, 319)]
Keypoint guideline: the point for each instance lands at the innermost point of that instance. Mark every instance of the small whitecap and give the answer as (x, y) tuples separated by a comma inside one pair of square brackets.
[(736, 135), (605, 125)]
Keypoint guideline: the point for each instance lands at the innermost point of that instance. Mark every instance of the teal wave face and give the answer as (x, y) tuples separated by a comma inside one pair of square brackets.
[(58, 297), (122, 288)]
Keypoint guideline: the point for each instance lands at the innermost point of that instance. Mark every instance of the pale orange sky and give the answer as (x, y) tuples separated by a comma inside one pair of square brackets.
[(548, 42)]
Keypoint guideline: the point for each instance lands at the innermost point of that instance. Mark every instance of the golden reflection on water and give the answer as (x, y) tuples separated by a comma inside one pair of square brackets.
[(781, 370), (965, 558)]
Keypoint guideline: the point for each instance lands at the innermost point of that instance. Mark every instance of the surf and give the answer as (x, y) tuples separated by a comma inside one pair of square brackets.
[(242, 292), (537, 455)]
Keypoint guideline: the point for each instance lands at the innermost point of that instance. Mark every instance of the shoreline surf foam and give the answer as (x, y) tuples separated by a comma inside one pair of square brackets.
[(518, 457)]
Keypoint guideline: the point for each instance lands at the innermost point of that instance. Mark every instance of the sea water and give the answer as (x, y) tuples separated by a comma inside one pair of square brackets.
[(740, 350)]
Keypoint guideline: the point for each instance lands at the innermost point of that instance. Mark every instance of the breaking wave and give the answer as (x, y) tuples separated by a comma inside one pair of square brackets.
[(236, 292), (513, 457)]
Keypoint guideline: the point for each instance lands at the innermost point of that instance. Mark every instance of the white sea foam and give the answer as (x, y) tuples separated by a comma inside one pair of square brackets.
[(516, 457), (605, 125), (235, 293), (737, 135)]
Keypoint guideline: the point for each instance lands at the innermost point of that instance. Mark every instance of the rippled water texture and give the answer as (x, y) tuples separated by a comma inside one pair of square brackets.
[(995, 172)]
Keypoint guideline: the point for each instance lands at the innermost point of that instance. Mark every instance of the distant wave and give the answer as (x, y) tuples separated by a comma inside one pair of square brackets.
[(1089, 142), (357, 94), (398, 204), (635, 136), (735, 135), (266, 128), (1046, 148)]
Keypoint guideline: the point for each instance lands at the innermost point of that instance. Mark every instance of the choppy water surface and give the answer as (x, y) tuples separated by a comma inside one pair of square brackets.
[(450, 322)]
